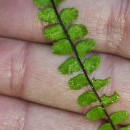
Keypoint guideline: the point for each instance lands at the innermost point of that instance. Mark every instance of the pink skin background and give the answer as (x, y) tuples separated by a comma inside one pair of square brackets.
[(29, 80)]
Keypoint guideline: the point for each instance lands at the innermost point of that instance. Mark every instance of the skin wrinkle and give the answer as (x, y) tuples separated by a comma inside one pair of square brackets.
[(18, 119), (123, 15), (25, 66), (110, 88), (116, 28), (5, 65), (11, 76), (126, 21), (109, 26), (97, 23), (19, 70), (26, 116), (23, 117), (12, 123), (114, 31)]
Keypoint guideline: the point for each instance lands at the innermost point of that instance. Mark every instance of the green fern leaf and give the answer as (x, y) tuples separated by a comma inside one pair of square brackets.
[(57, 2), (68, 15), (85, 47), (110, 100), (62, 47), (106, 127), (87, 98), (125, 128), (40, 3), (95, 114), (77, 31), (99, 83), (92, 63), (70, 66), (119, 117), (47, 15), (78, 82), (54, 32)]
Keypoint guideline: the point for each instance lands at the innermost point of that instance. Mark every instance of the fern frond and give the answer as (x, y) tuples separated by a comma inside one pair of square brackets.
[(68, 39)]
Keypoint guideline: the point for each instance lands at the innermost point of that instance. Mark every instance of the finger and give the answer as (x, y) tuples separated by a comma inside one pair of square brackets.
[(107, 21), (16, 114), (18, 19), (29, 71)]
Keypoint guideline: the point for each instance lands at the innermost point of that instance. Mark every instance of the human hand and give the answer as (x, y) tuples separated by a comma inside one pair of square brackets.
[(28, 70)]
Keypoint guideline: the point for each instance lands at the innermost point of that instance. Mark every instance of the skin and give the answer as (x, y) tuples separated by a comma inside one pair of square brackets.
[(28, 70)]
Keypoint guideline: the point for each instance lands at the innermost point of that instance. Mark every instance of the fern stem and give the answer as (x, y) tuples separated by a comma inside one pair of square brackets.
[(81, 64)]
